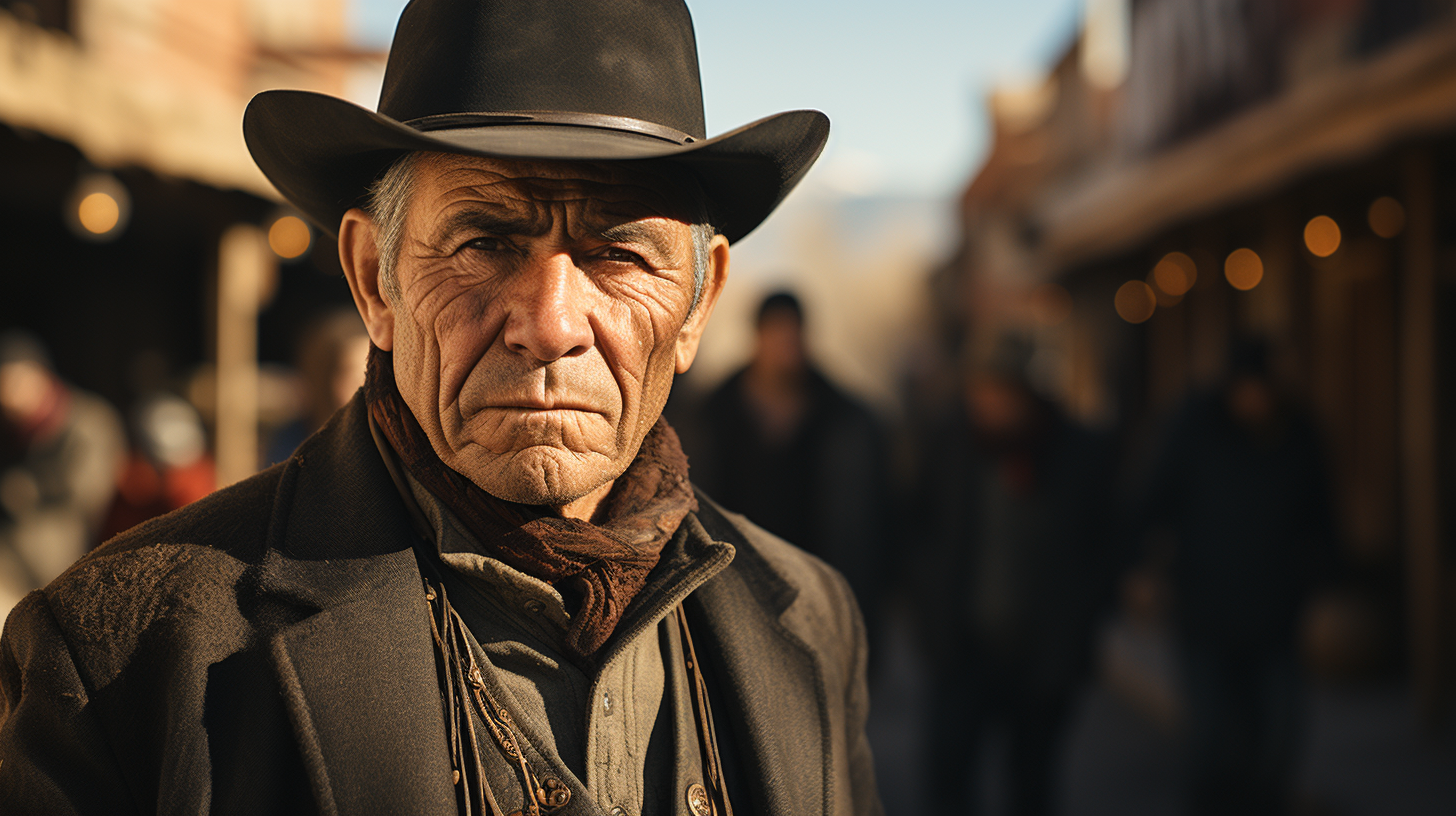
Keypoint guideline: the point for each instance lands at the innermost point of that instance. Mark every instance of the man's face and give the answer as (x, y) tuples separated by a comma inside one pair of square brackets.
[(1252, 401), (25, 390), (780, 343), (998, 407), (543, 310)]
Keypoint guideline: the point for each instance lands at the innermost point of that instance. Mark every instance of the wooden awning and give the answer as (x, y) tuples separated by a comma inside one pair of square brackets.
[(1349, 113), (49, 85)]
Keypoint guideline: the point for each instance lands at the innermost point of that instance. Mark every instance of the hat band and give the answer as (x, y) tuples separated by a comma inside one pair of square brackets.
[(600, 121)]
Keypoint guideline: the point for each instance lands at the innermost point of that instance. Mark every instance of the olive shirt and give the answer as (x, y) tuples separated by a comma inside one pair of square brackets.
[(623, 735), (267, 649)]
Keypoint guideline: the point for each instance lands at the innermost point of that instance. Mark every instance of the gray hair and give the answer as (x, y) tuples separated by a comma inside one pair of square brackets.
[(387, 202)]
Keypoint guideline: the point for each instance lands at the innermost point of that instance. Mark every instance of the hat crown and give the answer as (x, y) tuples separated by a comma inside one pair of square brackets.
[(628, 58)]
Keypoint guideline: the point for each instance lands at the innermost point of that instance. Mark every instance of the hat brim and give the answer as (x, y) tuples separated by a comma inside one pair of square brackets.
[(322, 153)]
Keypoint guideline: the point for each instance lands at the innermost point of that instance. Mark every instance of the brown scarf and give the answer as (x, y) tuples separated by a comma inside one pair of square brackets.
[(603, 566)]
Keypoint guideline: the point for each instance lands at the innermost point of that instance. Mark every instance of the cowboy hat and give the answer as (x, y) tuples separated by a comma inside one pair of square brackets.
[(566, 80)]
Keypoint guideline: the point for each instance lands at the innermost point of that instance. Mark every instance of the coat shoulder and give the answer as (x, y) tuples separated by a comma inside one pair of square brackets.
[(818, 586), (232, 520), (179, 571), (228, 525)]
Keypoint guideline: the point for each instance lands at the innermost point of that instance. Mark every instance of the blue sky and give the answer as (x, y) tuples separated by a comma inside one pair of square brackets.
[(903, 82)]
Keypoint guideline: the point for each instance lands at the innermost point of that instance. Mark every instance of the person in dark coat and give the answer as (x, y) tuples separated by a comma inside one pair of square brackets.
[(1017, 499), (1242, 486), (487, 585), (60, 450), (788, 448), (330, 357)]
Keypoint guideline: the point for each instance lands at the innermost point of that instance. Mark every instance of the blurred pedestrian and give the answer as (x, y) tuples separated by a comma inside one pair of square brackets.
[(1241, 484), (60, 449), (1012, 579), (169, 466), (330, 357), (794, 452)]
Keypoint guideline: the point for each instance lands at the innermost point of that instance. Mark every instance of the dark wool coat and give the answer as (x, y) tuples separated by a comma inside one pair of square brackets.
[(267, 650), (824, 488)]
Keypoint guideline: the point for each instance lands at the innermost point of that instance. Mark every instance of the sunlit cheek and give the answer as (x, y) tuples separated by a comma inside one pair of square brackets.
[(464, 329), (409, 355), (644, 352)]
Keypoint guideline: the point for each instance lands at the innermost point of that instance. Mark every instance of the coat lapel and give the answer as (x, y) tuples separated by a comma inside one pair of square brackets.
[(359, 684), (773, 682), (354, 659)]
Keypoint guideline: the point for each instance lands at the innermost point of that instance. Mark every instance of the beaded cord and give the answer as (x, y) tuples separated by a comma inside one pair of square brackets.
[(462, 685)]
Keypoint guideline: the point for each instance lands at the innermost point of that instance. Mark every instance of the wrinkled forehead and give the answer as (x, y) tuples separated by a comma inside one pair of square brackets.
[(607, 189)]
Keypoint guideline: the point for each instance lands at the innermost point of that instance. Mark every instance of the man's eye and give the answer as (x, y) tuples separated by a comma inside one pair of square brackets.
[(621, 255), (487, 245)]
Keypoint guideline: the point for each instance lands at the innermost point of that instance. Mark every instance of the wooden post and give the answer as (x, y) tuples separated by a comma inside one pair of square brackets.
[(244, 266), (1419, 431)]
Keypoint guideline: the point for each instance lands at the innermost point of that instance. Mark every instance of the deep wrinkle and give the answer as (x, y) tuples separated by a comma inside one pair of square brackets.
[(446, 316), (473, 218), (476, 219), (543, 312)]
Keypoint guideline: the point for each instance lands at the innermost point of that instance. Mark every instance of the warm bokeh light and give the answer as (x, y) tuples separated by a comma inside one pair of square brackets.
[(1175, 274), (1244, 269), (98, 208), (99, 213), (1387, 217), (289, 237), (1135, 301), (1164, 299), (1051, 305), (1322, 236)]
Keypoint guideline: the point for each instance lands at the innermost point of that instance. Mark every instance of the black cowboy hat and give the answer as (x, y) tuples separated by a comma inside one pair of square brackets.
[(577, 80)]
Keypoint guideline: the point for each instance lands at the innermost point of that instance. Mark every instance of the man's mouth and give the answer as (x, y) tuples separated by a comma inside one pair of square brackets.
[(544, 406)]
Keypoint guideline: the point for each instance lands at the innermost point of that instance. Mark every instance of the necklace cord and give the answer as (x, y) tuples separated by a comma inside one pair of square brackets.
[(707, 734)]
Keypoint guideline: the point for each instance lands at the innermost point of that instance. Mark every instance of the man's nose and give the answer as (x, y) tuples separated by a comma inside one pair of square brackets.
[(549, 310)]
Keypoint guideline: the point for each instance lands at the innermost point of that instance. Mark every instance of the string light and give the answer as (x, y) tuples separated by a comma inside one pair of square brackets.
[(1244, 269), (289, 237), (1135, 301), (98, 208), (1172, 277), (1322, 236), (98, 213)]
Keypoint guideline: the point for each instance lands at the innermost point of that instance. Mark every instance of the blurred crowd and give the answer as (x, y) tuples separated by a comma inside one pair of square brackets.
[(73, 472), (1012, 536)]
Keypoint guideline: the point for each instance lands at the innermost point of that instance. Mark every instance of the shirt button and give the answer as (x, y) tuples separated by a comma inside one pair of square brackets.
[(534, 607), (556, 793), (608, 704), (619, 811), (698, 801)]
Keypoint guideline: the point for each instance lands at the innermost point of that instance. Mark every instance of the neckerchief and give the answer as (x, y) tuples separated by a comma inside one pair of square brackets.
[(602, 566)]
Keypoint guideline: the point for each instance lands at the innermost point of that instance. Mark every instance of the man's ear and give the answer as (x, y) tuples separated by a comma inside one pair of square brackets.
[(359, 256), (692, 330)]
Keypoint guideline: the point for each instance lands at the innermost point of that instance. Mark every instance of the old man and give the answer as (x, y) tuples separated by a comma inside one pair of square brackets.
[(487, 586)]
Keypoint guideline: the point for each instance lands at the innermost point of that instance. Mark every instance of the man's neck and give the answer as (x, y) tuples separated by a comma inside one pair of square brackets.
[(586, 507)]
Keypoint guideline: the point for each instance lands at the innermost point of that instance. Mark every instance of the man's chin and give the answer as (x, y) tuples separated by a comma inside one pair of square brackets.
[(541, 475)]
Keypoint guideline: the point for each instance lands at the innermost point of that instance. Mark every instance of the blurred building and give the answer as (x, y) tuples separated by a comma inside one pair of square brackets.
[(1192, 168), (124, 167)]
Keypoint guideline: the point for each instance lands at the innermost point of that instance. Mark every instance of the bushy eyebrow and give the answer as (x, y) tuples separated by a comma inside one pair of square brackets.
[(655, 239), (494, 222), (636, 232)]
